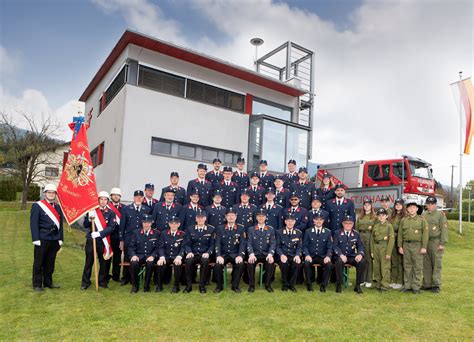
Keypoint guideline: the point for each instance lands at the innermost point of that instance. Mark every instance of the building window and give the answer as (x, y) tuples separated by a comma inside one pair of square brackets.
[(215, 96), (113, 89), (97, 155), (51, 172), (161, 81), (264, 107), (183, 150)]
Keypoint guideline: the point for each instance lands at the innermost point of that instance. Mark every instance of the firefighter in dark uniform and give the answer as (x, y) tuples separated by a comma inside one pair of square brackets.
[(229, 189), (257, 192), (292, 176), (216, 211), (188, 212), (203, 186), (339, 207), (149, 200), (179, 191), (266, 178), (103, 257), (163, 211), (348, 249), (282, 194), (131, 221), (240, 177), (274, 211), (316, 204), (143, 250), (317, 249), (199, 244), (300, 213), (325, 191), (230, 248), (261, 245), (47, 236), (245, 210), (171, 253), (304, 188), (289, 248), (116, 207), (215, 176)]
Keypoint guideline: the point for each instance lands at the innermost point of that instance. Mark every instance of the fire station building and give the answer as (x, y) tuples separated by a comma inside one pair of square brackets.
[(157, 107)]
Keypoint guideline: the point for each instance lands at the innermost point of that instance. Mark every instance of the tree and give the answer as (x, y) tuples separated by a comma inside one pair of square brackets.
[(28, 149)]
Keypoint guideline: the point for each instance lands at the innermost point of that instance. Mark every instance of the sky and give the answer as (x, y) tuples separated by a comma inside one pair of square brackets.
[(382, 68)]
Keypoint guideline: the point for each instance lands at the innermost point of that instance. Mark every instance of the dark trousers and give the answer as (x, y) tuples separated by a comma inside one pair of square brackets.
[(115, 262), (360, 268), (289, 271), (189, 269), (236, 272), (325, 270), (177, 270), (269, 269), (86, 274), (43, 264), (135, 270), (125, 269)]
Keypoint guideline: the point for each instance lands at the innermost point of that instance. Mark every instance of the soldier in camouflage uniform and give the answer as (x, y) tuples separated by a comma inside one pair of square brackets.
[(438, 237), (412, 244)]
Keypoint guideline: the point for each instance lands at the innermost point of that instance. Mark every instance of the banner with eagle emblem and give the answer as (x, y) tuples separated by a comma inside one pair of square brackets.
[(77, 191)]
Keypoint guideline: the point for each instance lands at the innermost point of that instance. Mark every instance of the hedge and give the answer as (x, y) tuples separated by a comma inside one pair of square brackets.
[(10, 187), (455, 216)]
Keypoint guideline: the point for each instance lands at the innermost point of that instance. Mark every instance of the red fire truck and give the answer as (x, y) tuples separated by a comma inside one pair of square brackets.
[(372, 179)]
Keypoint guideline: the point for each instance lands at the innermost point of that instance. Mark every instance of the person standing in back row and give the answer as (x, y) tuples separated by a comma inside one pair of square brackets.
[(364, 225)]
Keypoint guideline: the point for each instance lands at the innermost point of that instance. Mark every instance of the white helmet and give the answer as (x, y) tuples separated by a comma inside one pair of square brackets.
[(103, 194), (50, 187), (116, 191)]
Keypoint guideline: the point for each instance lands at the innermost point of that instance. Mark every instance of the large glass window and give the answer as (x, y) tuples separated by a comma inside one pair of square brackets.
[(274, 145), (271, 109), (160, 146), (297, 145)]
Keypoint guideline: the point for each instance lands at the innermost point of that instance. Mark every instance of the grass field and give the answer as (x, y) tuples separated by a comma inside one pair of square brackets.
[(115, 314)]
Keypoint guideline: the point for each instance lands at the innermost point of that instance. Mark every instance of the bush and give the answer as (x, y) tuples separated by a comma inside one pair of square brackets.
[(7, 190), (455, 216), (33, 193)]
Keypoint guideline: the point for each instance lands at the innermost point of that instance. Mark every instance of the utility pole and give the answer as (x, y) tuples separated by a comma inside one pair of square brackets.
[(451, 196)]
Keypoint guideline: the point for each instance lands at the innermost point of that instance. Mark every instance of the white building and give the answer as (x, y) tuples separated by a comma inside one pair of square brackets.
[(157, 108)]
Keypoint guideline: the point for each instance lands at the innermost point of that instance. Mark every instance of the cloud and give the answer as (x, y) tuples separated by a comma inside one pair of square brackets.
[(382, 85), (8, 63)]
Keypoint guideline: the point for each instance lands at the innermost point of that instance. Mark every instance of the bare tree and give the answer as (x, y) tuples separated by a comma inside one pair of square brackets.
[(28, 150)]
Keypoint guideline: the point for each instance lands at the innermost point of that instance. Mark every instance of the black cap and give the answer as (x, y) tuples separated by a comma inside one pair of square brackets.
[(271, 190), (147, 218), (254, 174), (174, 219), (326, 175), (292, 161), (280, 177), (412, 202), (216, 160), (263, 162), (245, 192), (202, 166), (200, 212), (231, 211), (290, 216), (261, 211), (149, 186), (294, 194), (240, 160), (174, 174), (138, 193), (381, 211), (317, 198), (384, 198), (339, 186), (399, 201), (431, 200), (348, 218), (319, 214), (217, 193), (227, 169), (303, 169), (194, 191), (368, 200), (169, 189)]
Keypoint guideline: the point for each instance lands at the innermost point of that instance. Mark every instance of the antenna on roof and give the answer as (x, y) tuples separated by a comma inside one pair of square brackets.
[(256, 42)]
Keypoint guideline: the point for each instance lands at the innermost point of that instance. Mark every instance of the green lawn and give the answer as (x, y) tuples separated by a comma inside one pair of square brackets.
[(115, 314)]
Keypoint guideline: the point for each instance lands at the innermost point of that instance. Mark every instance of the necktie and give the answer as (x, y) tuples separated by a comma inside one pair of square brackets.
[(347, 233), (263, 175), (261, 229), (268, 207), (194, 208), (137, 209), (293, 210), (241, 175), (167, 207), (254, 189), (318, 231), (277, 192), (244, 206)]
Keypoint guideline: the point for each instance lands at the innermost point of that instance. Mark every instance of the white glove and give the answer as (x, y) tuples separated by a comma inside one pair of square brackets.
[(37, 243), (60, 242), (92, 214), (95, 235)]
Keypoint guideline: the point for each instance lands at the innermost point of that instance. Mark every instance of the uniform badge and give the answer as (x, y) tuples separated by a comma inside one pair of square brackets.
[(176, 244), (370, 227), (416, 231), (434, 227), (385, 237)]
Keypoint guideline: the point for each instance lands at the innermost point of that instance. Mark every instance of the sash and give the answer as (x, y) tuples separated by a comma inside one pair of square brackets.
[(118, 215), (100, 225), (50, 211)]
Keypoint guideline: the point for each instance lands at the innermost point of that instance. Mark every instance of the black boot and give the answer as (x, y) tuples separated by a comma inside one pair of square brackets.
[(338, 288), (357, 289), (322, 288)]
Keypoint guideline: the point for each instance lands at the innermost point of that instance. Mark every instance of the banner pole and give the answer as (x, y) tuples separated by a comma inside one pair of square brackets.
[(460, 158), (96, 271)]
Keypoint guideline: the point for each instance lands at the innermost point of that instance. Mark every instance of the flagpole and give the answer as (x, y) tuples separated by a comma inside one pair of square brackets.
[(94, 246), (460, 159)]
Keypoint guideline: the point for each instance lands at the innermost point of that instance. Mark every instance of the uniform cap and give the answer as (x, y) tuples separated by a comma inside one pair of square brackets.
[(200, 212), (271, 190), (174, 174), (381, 211), (254, 174), (292, 161), (202, 167), (147, 218), (263, 162), (50, 187), (116, 191), (231, 211), (431, 200), (227, 169), (303, 169), (348, 218), (103, 194), (150, 186), (240, 160), (384, 198), (339, 186), (290, 216), (216, 160), (261, 211), (138, 193), (174, 219), (368, 200), (319, 214)]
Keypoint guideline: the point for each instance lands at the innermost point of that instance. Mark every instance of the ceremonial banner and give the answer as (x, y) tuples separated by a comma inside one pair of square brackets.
[(77, 192), (464, 98)]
